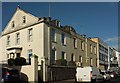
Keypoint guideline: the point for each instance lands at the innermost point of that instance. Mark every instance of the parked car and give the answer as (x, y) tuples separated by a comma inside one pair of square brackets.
[(106, 75), (88, 74), (115, 71), (112, 74), (10, 74)]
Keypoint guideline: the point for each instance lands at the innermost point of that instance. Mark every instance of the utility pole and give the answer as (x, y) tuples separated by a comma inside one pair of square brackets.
[(49, 9)]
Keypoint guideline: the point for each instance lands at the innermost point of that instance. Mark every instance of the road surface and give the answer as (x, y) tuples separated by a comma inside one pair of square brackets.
[(117, 80)]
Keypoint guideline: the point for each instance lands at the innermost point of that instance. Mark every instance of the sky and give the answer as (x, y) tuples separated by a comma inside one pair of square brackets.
[(94, 19), (60, 0), (0, 17)]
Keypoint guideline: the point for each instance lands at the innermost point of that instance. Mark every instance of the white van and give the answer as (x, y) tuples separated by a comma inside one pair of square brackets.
[(88, 74)]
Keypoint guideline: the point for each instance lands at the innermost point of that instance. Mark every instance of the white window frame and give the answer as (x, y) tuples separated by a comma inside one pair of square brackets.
[(17, 38), (8, 40), (91, 61), (75, 42), (80, 59), (72, 59), (82, 45), (63, 40), (63, 56), (91, 48), (30, 34), (95, 50)]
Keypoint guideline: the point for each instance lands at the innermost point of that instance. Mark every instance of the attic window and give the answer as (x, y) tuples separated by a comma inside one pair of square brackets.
[(13, 24), (24, 19)]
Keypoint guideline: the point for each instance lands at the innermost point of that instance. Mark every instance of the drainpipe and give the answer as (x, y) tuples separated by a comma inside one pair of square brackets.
[(108, 57), (44, 69)]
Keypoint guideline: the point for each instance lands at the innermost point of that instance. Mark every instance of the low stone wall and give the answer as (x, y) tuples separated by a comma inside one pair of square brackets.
[(62, 73)]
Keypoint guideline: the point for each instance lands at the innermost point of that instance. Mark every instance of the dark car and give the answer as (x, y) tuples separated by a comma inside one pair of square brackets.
[(113, 74), (10, 74), (106, 75)]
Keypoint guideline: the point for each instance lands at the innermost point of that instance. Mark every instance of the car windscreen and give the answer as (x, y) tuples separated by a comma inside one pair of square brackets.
[(13, 71)]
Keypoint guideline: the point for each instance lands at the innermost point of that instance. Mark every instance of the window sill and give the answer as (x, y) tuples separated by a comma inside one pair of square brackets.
[(30, 40), (53, 41), (23, 24), (75, 47), (91, 53), (7, 45), (17, 44), (64, 45)]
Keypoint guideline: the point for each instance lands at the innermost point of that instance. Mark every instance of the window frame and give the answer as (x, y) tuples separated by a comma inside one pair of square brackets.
[(63, 55), (51, 57), (82, 45), (8, 40), (53, 35), (23, 19), (72, 57), (30, 34), (91, 48), (91, 61), (63, 38), (17, 38), (75, 42), (80, 59), (95, 50), (12, 24), (30, 52)]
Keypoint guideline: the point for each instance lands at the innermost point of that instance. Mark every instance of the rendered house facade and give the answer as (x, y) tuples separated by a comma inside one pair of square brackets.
[(26, 34)]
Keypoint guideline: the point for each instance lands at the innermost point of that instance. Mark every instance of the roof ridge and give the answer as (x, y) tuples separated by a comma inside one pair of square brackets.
[(19, 8)]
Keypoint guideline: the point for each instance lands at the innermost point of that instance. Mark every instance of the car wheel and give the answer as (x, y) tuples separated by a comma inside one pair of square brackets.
[(76, 80), (96, 80), (93, 80), (2, 80)]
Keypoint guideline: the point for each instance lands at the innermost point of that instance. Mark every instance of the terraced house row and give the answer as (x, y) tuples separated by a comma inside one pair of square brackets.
[(54, 44)]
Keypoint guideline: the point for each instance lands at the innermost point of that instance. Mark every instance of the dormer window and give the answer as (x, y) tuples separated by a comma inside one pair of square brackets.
[(24, 19), (13, 24)]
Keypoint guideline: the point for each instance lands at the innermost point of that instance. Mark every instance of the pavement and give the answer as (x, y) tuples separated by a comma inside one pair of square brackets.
[(64, 81), (73, 81)]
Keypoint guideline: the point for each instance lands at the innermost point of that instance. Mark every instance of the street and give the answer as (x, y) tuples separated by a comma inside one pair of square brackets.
[(117, 80)]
